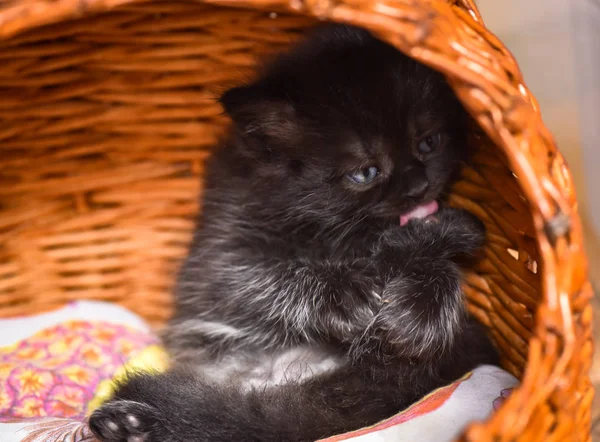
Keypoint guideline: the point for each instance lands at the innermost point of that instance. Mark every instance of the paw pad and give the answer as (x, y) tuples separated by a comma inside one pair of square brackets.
[(123, 421)]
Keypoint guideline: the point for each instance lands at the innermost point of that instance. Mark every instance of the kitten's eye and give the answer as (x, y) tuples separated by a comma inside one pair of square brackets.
[(430, 144), (364, 176)]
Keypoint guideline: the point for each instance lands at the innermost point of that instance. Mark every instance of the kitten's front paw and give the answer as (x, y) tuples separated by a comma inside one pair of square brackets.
[(462, 229), (124, 421), (422, 313), (446, 234)]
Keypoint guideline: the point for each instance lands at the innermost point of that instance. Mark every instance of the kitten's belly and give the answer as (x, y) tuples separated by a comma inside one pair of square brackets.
[(261, 369)]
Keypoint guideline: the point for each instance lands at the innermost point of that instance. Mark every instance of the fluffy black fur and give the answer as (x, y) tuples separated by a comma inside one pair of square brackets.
[(304, 309)]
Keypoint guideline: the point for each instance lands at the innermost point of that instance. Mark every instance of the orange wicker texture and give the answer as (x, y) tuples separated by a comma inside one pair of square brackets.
[(107, 112)]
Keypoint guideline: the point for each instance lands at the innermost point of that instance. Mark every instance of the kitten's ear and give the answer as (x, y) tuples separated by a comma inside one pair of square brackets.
[(258, 113), (235, 100)]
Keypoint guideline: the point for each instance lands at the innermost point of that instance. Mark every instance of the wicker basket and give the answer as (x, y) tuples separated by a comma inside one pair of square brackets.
[(107, 112)]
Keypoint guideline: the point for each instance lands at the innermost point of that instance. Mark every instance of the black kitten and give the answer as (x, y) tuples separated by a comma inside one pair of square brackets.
[(322, 290)]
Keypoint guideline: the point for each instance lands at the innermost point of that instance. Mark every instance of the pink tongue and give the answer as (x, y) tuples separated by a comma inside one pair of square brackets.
[(421, 211)]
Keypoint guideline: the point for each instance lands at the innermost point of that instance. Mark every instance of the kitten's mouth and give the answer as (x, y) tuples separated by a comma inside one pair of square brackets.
[(419, 212)]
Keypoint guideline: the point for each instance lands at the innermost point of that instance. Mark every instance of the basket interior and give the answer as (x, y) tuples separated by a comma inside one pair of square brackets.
[(104, 125)]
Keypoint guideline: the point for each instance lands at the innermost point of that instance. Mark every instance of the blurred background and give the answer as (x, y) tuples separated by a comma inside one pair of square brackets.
[(557, 45)]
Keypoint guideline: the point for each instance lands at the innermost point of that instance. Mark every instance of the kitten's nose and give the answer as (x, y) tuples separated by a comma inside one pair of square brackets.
[(418, 189), (417, 183)]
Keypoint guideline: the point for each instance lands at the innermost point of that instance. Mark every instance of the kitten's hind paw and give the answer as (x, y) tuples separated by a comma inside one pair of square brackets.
[(124, 421)]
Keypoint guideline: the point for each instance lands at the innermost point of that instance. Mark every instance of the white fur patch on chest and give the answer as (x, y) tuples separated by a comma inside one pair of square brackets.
[(264, 369)]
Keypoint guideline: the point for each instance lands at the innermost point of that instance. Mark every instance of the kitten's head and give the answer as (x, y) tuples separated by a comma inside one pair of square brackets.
[(346, 125)]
